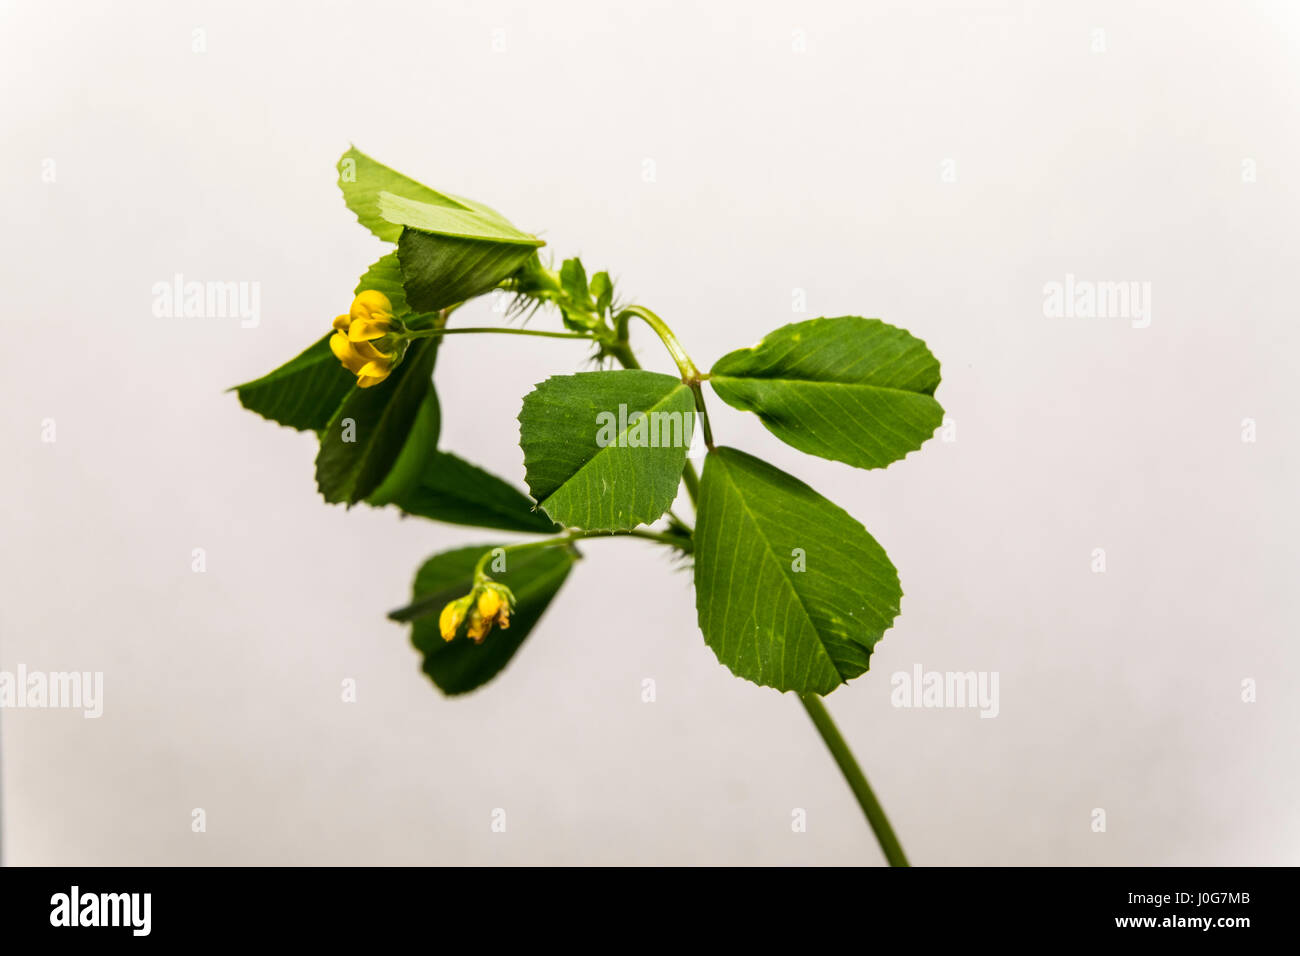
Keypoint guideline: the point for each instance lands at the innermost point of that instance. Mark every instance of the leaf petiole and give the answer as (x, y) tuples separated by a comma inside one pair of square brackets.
[(691, 479), (690, 374), (687, 367)]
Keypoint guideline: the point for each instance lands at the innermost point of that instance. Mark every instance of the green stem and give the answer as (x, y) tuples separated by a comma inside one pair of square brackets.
[(622, 351), (663, 537), (692, 482), (702, 411), (429, 333), (857, 781), (689, 372), (684, 544)]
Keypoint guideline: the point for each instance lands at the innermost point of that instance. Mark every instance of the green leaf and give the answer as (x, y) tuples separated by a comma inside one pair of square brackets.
[(451, 252), (576, 304), (461, 665), (573, 279), (850, 389), (451, 249), (769, 622), (440, 271), (455, 221), (303, 393), (591, 461), (450, 489), (417, 455), (603, 291), (355, 458), (362, 179), (386, 277)]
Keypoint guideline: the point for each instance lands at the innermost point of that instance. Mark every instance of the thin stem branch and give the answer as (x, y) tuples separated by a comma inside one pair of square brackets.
[(857, 781), (430, 333), (680, 542), (663, 537), (702, 412)]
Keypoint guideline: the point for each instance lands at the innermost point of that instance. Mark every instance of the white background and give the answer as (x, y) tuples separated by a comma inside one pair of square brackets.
[(775, 170)]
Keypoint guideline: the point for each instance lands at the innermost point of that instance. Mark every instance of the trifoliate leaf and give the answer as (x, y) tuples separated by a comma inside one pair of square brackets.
[(455, 248)]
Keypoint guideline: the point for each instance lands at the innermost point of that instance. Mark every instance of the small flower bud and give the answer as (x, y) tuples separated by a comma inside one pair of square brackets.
[(487, 606), (453, 615)]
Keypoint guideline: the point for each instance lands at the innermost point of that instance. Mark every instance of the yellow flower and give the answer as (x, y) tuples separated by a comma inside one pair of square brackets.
[(452, 616), (487, 606), (370, 318)]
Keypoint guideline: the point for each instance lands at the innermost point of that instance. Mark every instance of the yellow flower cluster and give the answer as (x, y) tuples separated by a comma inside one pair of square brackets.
[(488, 605), (370, 318)]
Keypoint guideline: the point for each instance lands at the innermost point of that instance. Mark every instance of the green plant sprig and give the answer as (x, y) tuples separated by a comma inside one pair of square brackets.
[(791, 591)]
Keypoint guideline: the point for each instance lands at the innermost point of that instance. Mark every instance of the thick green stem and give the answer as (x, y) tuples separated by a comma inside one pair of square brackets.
[(857, 781), (622, 351)]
